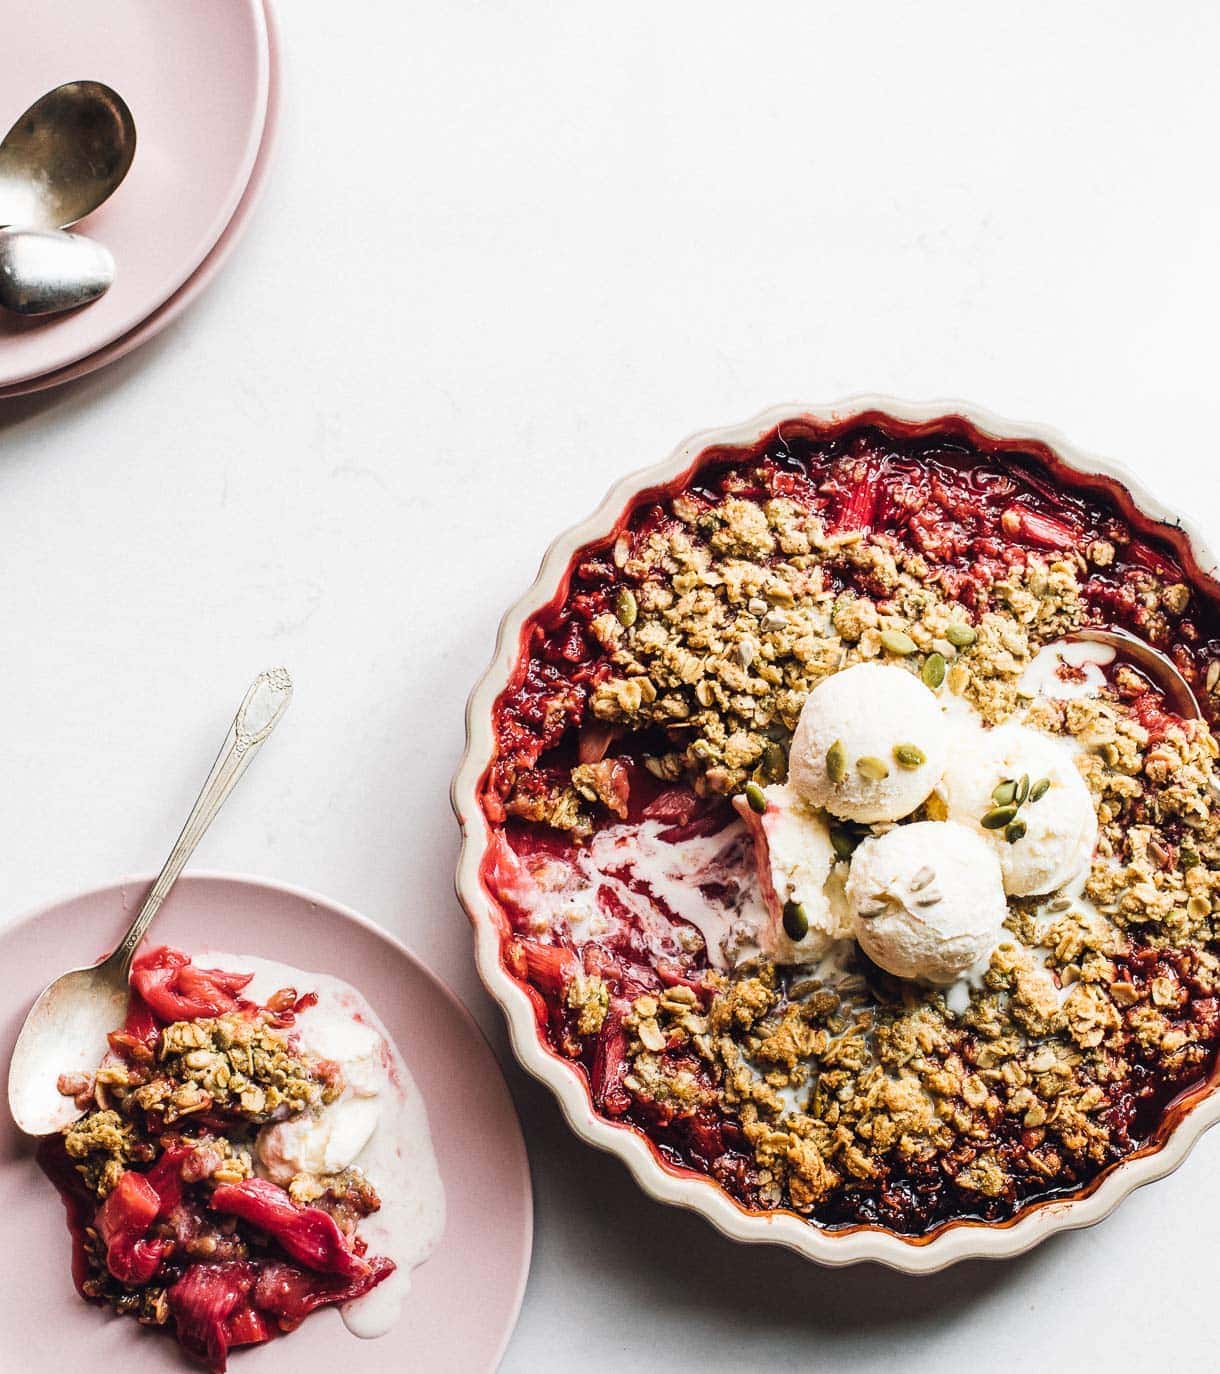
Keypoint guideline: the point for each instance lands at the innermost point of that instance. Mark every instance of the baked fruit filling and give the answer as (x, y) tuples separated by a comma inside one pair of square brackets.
[(834, 860), (170, 1222)]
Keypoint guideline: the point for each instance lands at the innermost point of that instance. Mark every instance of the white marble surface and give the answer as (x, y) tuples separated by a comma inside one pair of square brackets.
[(510, 250)]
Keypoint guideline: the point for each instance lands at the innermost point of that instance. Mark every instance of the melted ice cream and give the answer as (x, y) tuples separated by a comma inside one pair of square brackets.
[(378, 1125), (1068, 669)]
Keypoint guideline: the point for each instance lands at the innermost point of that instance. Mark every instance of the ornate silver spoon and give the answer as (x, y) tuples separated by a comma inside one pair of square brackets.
[(65, 1031)]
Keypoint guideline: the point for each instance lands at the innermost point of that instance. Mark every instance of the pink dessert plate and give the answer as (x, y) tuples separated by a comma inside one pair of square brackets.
[(464, 1301), (202, 277), (196, 76)]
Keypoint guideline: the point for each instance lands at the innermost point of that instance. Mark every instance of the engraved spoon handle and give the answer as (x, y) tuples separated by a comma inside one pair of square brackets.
[(259, 714)]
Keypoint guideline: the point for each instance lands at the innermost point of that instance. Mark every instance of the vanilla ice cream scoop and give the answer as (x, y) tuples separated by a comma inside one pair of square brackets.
[(1053, 831), (927, 900), (806, 911), (870, 745)]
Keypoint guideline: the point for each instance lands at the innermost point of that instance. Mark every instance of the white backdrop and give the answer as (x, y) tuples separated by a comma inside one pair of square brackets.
[(508, 251)]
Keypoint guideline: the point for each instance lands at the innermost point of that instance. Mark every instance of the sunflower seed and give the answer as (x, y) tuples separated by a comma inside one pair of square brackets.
[(922, 879), (928, 898), (1059, 904)]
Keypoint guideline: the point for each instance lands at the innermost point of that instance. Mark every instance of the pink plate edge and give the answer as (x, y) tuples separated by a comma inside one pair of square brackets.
[(525, 1240), (231, 234), (957, 1242)]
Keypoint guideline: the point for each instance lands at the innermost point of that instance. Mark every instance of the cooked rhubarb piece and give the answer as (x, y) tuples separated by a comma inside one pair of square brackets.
[(176, 990), (306, 1233), (123, 1221), (290, 1294), (205, 1301)]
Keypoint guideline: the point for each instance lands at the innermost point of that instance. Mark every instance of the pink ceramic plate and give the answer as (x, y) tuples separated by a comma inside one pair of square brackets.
[(464, 1300), (195, 75), (202, 277), (153, 324)]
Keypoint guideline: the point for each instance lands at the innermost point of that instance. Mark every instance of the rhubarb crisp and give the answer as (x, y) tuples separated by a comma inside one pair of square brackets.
[(249, 1150), (837, 856)]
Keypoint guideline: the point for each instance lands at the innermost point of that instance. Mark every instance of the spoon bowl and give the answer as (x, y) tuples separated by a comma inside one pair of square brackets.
[(65, 156), (1159, 668), (47, 271)]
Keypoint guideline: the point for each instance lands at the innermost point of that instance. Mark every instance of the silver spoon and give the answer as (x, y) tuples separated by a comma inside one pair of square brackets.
[(45, 271), (65, 1031), (1158, 667), (65, 156)]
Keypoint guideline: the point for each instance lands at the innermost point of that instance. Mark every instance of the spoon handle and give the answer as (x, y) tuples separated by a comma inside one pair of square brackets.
[(258, 714)]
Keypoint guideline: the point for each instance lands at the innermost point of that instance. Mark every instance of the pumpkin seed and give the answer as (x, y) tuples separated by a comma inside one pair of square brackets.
[(896, 642), (909, 756), (755, 797), (933, 672), (1005, 794), (961, 636), (774, 761), (625, 607), (842, 841), (836, 762), (998, 817), (1014, 832), (1022, 788), (1039, 789), (872, 768), (796, 921)]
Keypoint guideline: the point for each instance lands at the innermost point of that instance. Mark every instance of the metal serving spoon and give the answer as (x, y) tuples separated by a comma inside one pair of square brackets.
[(45, 271), (65, 1032), (1158, 667), (65, 156)]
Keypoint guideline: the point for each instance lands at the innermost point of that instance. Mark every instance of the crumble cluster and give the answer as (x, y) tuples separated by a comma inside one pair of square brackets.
[(203, 1089)]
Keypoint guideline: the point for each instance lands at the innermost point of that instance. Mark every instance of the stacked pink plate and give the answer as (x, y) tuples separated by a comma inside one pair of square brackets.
[(201, 80)]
